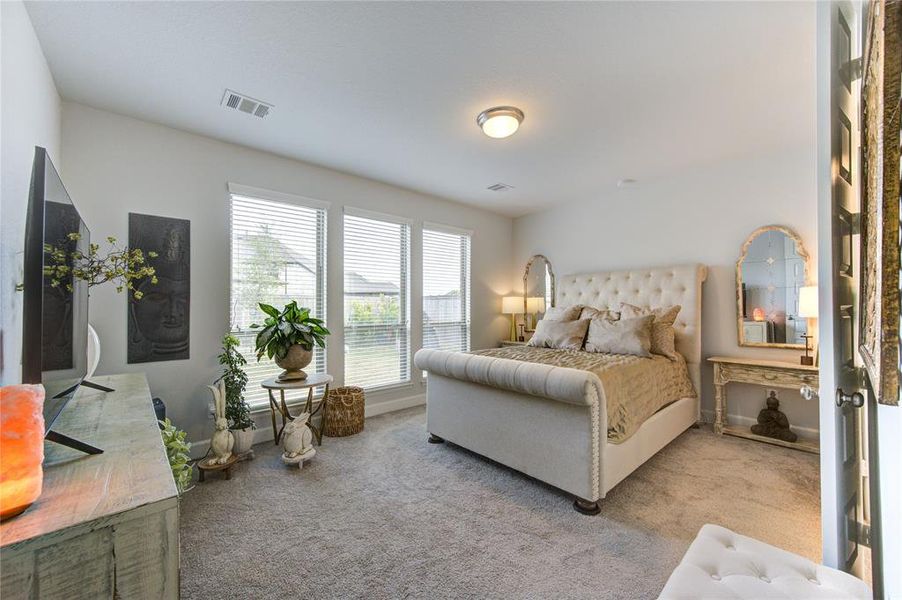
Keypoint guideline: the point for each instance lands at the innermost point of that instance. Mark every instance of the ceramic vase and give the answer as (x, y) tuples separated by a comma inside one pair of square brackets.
[(293, 362)]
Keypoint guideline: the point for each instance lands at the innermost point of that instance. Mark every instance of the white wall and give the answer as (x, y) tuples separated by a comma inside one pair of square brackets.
[(29, 117), (116, 165), (703, 215)]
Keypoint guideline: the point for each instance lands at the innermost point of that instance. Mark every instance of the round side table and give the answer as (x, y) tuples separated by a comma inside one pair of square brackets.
[(313, 381)]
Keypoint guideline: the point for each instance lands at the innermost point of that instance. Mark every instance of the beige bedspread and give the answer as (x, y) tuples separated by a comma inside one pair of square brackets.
[(635, 388)]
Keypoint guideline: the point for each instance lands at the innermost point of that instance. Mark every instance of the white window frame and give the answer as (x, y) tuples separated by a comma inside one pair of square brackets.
[(405, 298), (466, 276), (238, 189)]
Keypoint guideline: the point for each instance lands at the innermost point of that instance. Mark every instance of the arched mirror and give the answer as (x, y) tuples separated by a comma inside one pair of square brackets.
[(538, 289), (772, 268)]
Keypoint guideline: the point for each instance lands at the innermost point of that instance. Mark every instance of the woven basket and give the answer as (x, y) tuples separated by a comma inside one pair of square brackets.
[(344, 412)]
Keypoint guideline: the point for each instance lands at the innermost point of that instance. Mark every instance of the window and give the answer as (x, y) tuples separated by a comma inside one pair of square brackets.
[(278, 255), (376, 302), (446, 289)]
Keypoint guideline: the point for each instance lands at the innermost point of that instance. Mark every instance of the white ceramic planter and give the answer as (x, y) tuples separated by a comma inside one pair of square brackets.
[(244, 440)]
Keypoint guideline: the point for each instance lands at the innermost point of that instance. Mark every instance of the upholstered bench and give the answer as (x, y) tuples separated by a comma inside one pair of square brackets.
[(723, 564)]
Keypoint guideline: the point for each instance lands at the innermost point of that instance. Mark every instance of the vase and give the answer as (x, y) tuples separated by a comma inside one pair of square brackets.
[(293, 362), (244, 440)]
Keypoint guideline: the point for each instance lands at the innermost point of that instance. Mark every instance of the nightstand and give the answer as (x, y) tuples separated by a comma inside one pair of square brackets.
[(769, 373), (510, 343)]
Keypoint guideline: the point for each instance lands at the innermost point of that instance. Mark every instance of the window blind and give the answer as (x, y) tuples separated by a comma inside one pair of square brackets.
[(446, 290), (278, 255), (376, 301)]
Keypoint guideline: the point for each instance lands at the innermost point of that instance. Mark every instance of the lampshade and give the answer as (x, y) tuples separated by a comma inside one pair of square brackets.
[(512, 305), (535, 304), (22, 447), (808, 301)]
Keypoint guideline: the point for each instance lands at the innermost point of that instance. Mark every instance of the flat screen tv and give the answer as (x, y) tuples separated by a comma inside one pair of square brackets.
[(55, 309)]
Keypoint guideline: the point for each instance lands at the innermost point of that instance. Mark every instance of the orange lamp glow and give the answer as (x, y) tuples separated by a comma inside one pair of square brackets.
[(21, 447), (758, 314)]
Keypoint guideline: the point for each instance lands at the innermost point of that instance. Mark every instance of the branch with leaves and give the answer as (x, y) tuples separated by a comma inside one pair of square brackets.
[(122, 266)]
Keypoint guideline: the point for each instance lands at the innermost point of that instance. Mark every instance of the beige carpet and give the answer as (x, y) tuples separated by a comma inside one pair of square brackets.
[(383, 514)]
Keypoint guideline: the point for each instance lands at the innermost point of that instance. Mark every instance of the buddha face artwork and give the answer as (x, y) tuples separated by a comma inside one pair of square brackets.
[(159, 322)]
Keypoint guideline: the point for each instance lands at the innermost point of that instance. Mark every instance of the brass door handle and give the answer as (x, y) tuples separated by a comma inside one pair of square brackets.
[(856, 399)]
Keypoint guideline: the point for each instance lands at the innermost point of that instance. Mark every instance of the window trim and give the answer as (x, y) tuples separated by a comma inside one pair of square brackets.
[(322, 258), (442, 228), (405, 302), (239, 189)]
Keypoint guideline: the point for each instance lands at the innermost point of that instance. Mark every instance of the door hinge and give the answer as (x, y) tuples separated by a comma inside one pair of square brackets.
[(864, 534)]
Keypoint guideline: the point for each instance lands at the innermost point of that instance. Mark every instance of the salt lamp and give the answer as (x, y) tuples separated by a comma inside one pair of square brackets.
[(758, 314), (21, 447)]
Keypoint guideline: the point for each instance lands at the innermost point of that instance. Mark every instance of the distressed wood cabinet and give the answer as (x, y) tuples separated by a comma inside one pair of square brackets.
[(770, 373), (105, 526)]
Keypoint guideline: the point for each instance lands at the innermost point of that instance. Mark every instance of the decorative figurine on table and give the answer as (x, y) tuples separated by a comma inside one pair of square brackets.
[(773, 423), (297, 440), (222, 441)]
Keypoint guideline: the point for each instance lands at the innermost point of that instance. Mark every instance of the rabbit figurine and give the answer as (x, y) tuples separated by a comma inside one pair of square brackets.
[(297, 439), (223, 440)]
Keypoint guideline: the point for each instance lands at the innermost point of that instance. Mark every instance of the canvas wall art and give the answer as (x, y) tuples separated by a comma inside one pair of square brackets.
[(159, 322)]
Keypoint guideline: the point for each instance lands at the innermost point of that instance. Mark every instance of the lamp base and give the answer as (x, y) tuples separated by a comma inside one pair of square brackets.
[(807, 360)]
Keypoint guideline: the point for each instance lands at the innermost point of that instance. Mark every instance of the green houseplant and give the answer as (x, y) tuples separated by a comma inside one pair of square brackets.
[(288, 337), (177, 452), (237, 410)]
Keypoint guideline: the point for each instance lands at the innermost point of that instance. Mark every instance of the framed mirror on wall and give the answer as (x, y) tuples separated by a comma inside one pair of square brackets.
[(538, 289), (773, 290)]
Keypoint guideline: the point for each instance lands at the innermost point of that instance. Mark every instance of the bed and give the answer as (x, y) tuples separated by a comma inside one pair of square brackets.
[(551, 421)]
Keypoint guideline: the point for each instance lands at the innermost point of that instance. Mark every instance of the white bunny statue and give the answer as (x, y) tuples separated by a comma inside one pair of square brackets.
[(222, 441), (297, 440)]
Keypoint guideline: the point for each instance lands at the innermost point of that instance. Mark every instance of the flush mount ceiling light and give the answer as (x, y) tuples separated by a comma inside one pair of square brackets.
[(500, 122)]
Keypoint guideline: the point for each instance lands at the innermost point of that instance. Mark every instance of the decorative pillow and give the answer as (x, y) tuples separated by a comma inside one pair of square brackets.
[(590, 312), (562, 313), (566, 335), (625, 336), (663, 337)]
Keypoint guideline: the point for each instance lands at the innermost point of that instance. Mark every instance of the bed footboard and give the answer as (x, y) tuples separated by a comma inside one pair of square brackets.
[(556, 442)]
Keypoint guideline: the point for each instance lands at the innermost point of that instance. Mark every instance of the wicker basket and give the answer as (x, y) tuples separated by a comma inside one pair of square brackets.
[(344, 412)]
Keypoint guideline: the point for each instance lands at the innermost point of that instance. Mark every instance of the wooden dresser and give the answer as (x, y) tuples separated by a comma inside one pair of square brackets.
[(770, 373), (105, 526)]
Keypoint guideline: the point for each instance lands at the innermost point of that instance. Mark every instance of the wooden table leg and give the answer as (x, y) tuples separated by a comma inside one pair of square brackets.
[(720, 400)]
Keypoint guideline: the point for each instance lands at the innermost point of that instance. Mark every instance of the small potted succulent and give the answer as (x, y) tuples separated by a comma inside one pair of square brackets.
[(237, 410), (288, 337)]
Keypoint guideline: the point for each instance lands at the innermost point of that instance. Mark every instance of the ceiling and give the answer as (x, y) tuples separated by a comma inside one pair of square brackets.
[(391, 90)]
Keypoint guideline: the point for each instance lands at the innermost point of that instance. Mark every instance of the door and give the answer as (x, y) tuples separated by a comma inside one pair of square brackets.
[(844, 406)]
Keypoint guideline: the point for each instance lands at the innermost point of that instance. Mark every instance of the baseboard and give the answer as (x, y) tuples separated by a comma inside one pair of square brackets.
[(264, 434), (805, 432), (379, 408)]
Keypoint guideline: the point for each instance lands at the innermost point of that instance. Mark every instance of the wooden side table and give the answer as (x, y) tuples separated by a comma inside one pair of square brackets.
[(770, 373), (313, 381)]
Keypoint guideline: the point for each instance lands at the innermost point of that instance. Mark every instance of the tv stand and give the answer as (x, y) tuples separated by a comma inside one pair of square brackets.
[(96, 386), (64, 440)]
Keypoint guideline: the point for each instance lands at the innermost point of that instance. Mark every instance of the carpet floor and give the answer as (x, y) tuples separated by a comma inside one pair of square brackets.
[(384, 514)]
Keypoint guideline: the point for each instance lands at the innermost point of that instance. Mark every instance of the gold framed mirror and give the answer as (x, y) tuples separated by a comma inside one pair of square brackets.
[(772, 268), (538, 289)]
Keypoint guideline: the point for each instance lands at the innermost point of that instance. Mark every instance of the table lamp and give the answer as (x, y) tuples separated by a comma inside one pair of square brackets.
[(808, 310), (512, 305), (535, 305)]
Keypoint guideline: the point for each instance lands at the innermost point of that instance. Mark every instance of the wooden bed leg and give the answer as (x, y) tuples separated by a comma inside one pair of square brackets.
[(434, 439), (585, 507)]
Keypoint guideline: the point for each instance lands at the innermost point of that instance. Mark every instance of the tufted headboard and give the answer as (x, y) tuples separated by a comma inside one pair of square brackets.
[(653, 287)]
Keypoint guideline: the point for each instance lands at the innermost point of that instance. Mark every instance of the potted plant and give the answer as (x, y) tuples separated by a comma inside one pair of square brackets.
[(288, 338), (237, 411), (177, 452)]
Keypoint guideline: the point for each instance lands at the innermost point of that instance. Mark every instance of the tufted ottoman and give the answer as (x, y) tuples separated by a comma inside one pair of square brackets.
[(723, 564)]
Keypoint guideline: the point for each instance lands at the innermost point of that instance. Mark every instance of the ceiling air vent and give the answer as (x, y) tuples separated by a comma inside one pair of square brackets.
[(245, 104), (500, 187)]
